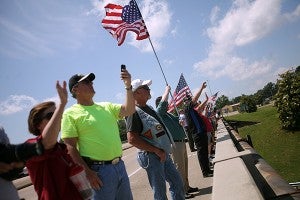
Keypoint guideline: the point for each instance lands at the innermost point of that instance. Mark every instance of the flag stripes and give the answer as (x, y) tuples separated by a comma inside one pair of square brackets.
[(180, 92), (119, 20)]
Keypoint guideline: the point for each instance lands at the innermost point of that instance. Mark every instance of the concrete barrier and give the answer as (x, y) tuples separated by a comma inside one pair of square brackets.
[(241, 173)]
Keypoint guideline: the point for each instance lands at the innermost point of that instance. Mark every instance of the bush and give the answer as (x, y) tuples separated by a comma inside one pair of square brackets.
[(287, 99), (248, 104)]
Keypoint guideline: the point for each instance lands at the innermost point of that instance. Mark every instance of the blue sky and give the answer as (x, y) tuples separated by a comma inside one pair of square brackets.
[(238, 46)]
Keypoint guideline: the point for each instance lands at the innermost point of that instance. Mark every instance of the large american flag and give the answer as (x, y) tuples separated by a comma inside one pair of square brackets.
[(181, 90), (119, 20)]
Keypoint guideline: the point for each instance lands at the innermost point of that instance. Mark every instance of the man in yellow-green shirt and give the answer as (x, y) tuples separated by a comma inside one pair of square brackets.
[(91, 133)]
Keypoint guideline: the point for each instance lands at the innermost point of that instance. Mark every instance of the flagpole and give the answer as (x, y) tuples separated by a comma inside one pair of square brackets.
[(161, 69), (163, 74), (174, 104), (209, 87), (158, 60)]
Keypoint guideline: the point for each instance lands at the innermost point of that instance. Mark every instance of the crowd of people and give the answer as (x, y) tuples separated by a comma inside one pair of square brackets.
[(90, 143)]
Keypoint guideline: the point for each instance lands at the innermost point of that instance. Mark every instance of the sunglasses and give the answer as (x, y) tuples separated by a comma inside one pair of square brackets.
[(145, 87), (47, 116), (86, 81)]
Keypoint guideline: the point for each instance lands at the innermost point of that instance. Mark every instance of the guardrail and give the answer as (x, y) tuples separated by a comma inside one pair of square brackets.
[(241, 173)]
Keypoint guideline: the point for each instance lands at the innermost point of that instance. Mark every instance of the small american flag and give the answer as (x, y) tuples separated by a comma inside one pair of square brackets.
[(181, 90), (119, 20), (213, 98)]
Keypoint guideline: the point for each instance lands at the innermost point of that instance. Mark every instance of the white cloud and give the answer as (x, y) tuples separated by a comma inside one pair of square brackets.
[(157, 17), (294, 15), (16, 103), (214, 14), (98, 6), (55, 99), (246, 22), (37, 29), (168, 61), (22, 40), (280, 70)]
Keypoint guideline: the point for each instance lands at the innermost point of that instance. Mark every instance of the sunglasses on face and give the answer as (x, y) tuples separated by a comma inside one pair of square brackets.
[(47, 116), (86, 81), (145, 87)]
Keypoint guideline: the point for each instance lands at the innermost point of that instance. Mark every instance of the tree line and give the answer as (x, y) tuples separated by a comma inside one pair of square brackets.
[(285, 93)]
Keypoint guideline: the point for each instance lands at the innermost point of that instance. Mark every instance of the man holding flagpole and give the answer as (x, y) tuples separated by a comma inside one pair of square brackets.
[(147, 132)]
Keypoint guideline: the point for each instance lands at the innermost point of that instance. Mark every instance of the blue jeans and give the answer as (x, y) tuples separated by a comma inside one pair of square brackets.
[(158, 173), (115, 181)]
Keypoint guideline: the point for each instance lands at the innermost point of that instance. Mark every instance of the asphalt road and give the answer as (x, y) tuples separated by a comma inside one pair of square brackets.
[(139, 182)]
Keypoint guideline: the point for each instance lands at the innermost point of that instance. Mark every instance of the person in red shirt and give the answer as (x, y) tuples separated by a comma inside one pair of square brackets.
[(49, 172)]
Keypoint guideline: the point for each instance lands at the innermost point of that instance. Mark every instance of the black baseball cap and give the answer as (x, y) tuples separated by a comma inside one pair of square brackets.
[(77, 78)]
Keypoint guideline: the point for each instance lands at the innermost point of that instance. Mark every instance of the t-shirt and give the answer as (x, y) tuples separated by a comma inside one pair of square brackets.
[(49, 174), (171, 121), (96, 128)]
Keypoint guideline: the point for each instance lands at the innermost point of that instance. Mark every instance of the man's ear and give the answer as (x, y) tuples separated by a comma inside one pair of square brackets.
[(74, 89)]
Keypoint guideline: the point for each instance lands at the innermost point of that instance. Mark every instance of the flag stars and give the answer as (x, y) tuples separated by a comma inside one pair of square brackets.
[(130, 20)]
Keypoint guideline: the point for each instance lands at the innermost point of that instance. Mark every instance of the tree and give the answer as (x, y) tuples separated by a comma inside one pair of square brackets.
[(236, 100), (269, 90), (248, 104), (222, 101), (267, 93), (259, 97), (287, 99)]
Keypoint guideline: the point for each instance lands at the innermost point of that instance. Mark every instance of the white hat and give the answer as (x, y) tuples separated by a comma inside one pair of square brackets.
[(138, 83)]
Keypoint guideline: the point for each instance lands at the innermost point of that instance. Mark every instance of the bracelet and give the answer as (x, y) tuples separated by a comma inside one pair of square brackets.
[(129, 88)]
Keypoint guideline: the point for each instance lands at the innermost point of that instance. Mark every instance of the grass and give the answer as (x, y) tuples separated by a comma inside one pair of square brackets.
[(280, 148)]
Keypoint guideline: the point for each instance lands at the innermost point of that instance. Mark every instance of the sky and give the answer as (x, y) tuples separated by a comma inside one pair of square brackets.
[(236, 46)]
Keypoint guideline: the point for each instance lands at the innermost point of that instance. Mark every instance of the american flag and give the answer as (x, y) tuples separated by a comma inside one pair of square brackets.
[(119, 20), (213, 98), (181, 90)]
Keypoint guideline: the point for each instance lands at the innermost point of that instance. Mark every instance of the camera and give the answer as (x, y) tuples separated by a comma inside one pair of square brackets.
[(18, 153), (123, 67)]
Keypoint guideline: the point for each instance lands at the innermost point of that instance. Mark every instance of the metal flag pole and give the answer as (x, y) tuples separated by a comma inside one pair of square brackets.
[(209, 88), (174, 104), (158, 60), (152, 46), (161, 69)]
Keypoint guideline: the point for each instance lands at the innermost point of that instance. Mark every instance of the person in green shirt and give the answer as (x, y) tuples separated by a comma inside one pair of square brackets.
[(91, 133)]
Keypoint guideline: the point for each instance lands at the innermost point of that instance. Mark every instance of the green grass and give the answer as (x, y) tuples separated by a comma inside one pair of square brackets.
[(280, 148)]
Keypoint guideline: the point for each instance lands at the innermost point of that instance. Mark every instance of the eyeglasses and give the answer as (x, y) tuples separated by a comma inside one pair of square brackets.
[(86, 81), (145, 87), (48, 115)]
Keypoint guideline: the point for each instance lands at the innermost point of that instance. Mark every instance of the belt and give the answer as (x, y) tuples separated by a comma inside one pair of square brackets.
[(179, 140), (106, 162)]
